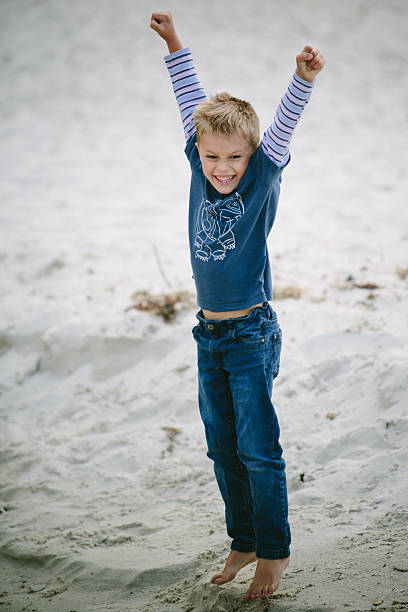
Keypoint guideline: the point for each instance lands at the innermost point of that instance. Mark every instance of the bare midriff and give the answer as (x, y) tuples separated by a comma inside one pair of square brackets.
[(208, 314)]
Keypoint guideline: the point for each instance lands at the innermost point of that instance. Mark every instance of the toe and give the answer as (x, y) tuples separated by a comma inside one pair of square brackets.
[(249, 592), (215, 578), (254, 593), (258, 592)]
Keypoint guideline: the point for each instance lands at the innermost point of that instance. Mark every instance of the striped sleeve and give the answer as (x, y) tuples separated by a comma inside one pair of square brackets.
[(275, 141), (186, 86)]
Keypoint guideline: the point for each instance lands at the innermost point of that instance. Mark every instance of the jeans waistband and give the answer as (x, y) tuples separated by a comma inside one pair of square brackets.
[(265, 311)]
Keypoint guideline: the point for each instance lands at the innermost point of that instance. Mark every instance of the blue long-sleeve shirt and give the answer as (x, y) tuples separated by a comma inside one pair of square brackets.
[(227, 234)]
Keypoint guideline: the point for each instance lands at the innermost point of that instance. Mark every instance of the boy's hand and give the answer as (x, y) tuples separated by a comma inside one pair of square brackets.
[(309, 63), (162, 23)]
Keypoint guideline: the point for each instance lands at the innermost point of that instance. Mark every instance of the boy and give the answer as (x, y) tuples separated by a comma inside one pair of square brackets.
[(233, 198)]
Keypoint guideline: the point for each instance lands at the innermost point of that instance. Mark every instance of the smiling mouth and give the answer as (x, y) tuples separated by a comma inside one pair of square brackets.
[(224, 179)]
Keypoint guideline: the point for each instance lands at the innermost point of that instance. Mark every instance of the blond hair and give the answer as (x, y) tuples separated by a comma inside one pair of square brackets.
[(226, 115)]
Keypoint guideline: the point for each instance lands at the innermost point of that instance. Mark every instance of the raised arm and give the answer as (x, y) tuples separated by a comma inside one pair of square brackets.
[(275, 141), (186, 86)]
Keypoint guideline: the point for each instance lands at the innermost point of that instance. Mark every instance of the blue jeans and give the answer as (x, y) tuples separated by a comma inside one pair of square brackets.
[(238, 358)]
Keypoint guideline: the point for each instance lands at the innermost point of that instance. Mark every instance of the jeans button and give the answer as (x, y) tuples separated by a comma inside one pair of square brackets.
[(210, 326)]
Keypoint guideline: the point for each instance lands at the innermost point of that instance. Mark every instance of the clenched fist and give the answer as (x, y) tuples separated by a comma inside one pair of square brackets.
[(309, 63), (162, 23)]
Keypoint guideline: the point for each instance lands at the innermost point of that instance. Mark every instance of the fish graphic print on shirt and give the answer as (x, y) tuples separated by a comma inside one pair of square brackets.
[(215, 222)]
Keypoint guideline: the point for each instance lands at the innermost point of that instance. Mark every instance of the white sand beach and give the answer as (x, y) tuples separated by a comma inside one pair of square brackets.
[(107, 499)]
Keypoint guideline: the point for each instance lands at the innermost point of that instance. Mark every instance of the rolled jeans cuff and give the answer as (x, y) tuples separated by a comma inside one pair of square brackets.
[(243, 546), (272, 553)]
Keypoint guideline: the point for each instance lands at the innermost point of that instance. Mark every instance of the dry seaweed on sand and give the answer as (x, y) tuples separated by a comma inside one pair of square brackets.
[(287, 292), (366, 286), (350, 283), (165, 305)]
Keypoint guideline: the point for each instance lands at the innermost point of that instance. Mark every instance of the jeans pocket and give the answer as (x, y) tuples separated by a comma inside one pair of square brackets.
[(276, 352), (253, 335), (195, 331)]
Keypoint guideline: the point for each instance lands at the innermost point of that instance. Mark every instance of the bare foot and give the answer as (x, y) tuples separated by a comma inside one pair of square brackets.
[(236, 560), (267, 577)]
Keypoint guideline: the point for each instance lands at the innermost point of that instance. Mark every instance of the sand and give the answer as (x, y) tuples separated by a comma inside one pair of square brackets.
[(107, 498)]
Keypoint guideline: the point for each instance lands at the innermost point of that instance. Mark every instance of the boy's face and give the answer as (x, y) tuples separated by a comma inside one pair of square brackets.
[(224, 160)]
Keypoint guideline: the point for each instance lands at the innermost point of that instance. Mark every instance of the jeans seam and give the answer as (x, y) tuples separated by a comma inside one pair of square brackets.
[(283, 504), (244, 474)]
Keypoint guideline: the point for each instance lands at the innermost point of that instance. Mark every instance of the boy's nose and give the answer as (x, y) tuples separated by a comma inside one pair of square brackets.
[(223, 167)]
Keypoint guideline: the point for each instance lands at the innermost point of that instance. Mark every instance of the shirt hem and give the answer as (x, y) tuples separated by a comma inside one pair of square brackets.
[(236, 305)]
